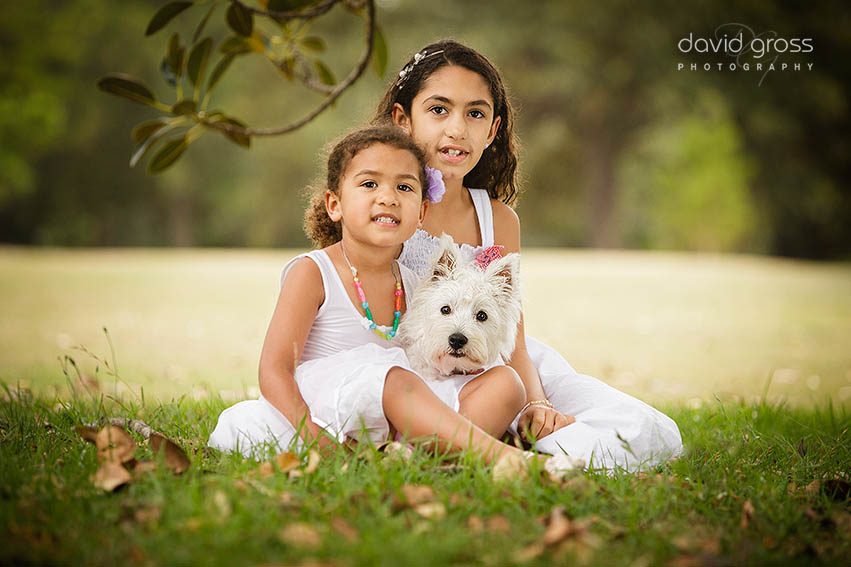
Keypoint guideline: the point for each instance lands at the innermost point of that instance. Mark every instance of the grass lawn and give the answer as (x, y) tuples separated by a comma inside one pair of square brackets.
[(760, 483), (749, 355)]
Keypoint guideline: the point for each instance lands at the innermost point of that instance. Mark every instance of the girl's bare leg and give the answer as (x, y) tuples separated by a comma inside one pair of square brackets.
[(415, 411), (493, 400)]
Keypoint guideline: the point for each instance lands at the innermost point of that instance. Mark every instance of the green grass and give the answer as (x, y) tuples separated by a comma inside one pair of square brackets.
[(222, 511)]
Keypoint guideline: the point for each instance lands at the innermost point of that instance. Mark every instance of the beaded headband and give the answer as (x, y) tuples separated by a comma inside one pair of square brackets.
[(406, 71)]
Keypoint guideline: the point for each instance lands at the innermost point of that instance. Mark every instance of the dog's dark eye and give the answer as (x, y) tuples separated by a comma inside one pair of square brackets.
[(446, 310), (481, 316)]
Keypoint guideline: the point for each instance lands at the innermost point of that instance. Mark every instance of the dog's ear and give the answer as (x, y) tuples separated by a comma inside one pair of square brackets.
[(447, 258), (504, 274)]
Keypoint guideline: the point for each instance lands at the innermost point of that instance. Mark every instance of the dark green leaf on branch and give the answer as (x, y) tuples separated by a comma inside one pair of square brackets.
[(145, 130), (234, 44), (164, 15), (168, 76), (240, 19), (237, 137), (325, 74), (219, 70), (314, 43), (203, 23), (379, 52), (127, 87), (141, 151), (288, 5), (168, 154), (198, 57), (184, 107)]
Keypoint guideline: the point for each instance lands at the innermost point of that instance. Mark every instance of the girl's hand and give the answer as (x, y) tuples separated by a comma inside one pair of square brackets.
[(539, 421)]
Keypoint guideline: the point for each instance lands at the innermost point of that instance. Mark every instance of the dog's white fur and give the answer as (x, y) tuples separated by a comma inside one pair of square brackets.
[(431, 336)]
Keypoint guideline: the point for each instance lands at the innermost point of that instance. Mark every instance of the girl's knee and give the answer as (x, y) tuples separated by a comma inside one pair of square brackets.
[(510, 385)]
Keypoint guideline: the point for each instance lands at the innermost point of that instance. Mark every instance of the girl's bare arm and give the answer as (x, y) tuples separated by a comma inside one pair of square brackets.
[(300, 297)]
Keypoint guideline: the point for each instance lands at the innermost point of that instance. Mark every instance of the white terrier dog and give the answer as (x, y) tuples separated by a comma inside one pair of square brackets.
[(462, 318)]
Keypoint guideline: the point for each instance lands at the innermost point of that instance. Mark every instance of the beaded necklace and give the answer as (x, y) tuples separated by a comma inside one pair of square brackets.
[(365, 304)]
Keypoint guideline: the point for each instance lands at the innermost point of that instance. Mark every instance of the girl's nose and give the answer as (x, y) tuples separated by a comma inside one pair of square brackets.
[(456, 126), (386, 196)]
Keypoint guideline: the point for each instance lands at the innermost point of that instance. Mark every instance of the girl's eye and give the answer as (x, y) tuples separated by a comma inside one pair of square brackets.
[(439, 110), (477, 114), (404, 187), (481, 316), (446, 310), (369, 184)]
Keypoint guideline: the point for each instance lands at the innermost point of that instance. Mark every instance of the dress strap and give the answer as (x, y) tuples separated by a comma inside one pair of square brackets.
[(484, 212)]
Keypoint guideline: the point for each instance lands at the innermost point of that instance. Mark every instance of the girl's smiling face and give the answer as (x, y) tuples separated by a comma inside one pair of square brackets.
[(452, 120), (379, 199)]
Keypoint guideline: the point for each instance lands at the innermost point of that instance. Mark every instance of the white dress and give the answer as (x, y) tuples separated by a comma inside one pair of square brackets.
[(612, 428), (340, 375)]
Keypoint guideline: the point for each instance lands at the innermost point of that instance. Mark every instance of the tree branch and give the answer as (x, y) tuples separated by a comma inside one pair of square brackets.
[(332, 96)]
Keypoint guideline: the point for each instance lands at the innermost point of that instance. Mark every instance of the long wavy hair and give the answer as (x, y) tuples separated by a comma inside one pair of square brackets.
[(497, 168), (318, 226)]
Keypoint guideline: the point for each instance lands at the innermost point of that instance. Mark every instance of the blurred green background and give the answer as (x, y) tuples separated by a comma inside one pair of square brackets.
[(619, 148)]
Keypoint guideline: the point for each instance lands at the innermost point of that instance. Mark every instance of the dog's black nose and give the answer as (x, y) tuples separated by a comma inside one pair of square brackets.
[(457, 340)]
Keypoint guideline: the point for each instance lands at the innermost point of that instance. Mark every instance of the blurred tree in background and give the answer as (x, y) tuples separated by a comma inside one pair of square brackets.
[(619, 148)]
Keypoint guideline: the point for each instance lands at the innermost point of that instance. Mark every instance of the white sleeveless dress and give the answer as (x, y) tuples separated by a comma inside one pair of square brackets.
[(612, 429), (340, 375)]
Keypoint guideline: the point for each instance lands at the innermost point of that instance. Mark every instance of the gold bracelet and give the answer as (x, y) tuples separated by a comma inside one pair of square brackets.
[(537, 403)]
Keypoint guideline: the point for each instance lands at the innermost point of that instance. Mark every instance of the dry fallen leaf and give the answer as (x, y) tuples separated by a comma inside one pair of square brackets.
[(397, 450), (747, 514), (88, 433), (529, 553), (475, 524), (222, 502), (110, 476), (416, 494), (114, 445), (301, 535), (431, 510), (559, 527), (144, 466), (345, 529), (313, 459), (175, 459), (510, 466), (499, 524), (266, 470), (287, 461)]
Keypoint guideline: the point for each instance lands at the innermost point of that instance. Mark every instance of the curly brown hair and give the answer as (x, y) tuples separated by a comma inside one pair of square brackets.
[(497, 168), (317, 224)]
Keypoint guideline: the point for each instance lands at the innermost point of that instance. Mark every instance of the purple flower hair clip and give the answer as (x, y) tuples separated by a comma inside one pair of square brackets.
[(436, 187)]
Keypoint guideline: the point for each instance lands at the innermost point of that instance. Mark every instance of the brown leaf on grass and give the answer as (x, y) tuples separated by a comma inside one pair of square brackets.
[(475, 524), (222, 503), (529, 553), (397, 450), (415, 494), (510, 466), (345, 529), (114, 445), (175, 459), (88, 433), (313, 459), (559, 527), (747, 514), (301, 535), (498, 524), (287, 461), (266, 470), (148, 514), (110, 476), (144, 466), (431, 510)]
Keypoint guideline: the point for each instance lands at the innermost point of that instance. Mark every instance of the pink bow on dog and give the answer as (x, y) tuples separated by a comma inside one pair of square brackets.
[(488, 255)]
